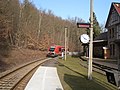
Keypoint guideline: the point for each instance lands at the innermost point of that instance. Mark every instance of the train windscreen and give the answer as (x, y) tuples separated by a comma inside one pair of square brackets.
[(51, 49)]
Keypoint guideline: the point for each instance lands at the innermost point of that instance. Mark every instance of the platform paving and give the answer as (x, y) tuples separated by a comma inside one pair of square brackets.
[(45, 78)]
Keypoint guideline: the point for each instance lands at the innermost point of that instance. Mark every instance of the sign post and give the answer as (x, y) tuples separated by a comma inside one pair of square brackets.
[(91, 42), (90, 26)]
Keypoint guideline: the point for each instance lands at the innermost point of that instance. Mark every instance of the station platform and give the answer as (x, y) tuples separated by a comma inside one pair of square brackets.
[(45, 78)]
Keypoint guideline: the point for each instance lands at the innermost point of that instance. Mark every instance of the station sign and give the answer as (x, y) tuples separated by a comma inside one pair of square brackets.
[(83, 25)]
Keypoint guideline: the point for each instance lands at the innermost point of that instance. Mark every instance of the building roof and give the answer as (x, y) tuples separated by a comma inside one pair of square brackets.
[(102, 36), (101, 40), (117, 8)]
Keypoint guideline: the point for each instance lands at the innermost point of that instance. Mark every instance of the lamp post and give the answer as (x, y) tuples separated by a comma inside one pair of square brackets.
[(65, 42), (91, 42)]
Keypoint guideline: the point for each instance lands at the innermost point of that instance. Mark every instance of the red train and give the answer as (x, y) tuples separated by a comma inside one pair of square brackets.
[(55, 50)]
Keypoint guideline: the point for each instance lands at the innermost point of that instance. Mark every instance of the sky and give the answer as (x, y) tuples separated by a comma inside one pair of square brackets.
[(76, 8)]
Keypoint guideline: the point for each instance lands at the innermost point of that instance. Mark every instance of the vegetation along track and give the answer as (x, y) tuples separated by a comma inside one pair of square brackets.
[(14, 80)]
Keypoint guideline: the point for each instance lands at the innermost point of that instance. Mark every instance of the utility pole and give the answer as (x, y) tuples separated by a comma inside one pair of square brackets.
[(91, 42), (65, 42)]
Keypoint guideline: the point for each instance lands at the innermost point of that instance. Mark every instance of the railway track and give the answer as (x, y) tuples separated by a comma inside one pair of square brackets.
[(100, 68), (17, 79)]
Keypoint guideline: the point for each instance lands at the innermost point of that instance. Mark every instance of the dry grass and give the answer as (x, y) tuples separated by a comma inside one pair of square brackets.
[(74, 77), (19, 56)]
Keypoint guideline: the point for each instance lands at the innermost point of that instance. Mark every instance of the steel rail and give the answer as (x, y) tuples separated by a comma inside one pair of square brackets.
[(10, 80)]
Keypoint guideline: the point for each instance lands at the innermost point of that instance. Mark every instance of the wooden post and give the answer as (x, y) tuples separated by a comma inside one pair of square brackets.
[(65, 42), (91, 42)]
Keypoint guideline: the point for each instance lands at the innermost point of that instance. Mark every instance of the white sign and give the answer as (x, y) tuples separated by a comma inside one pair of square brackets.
[(84, 38)]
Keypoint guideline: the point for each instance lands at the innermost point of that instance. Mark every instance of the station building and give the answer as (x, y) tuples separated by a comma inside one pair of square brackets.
[(113, 27)]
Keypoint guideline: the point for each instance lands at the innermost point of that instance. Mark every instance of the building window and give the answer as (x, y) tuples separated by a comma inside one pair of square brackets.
[(119, 32), (109, 33), (114, 16), (112, 49), (113, 46), (112, 33)]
